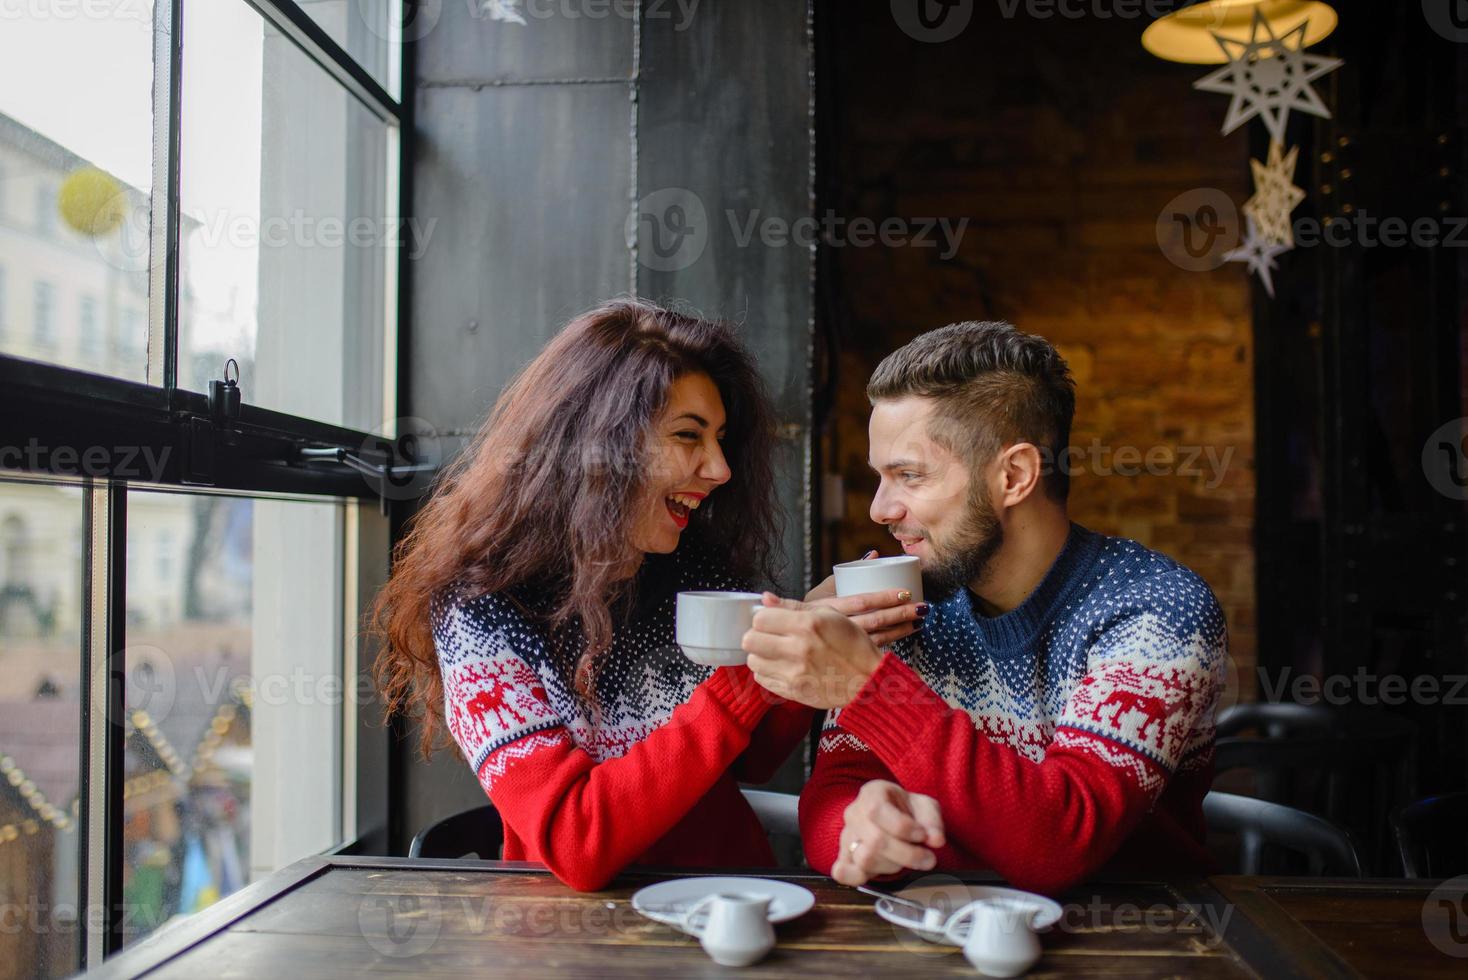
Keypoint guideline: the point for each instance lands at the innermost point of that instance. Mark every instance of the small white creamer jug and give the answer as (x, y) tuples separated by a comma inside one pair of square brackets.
[(737, 931), (1001, 940)]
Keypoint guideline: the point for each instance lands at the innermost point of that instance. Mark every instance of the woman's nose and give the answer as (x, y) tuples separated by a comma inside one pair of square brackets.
[(715, 467)]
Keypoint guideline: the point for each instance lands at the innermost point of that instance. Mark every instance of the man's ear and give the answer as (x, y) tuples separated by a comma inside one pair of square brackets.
[(1020, 472)]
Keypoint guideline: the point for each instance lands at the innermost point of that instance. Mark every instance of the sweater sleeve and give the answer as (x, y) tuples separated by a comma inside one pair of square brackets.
[(586, 820), (1137, 713), (843, 765)]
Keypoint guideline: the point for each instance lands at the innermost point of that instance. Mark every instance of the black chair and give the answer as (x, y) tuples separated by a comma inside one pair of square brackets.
[(478, 832), (1326, 848), (1432, 836), (1350, 766)]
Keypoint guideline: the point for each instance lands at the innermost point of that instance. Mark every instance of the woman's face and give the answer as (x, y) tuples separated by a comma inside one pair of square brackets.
[(686, 462)]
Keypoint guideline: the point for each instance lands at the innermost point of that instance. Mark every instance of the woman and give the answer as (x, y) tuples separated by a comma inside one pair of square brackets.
[(532, 604)]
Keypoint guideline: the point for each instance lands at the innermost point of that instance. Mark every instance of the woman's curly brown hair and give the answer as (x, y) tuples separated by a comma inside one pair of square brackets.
[(546, 494)]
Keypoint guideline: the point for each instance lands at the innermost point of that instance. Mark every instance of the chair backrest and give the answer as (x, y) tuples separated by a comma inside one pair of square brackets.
[(477, 832), (1275, 719), (1432, 836), (1351, 766), (1259, 823)]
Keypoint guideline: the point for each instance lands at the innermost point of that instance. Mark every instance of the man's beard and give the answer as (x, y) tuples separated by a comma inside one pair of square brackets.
[(965, 556)]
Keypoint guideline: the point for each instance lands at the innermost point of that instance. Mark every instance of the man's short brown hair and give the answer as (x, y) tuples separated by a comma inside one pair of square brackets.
[(994, 386)]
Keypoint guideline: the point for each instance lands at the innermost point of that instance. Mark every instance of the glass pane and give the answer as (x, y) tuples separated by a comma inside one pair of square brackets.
[(75, 183), (41, 553), (234, 695), (371, 31), (287, 241)]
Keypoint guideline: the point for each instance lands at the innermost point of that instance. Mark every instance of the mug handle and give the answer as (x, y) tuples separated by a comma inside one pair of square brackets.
[(698, 906), (1027, 914), (953, 920)]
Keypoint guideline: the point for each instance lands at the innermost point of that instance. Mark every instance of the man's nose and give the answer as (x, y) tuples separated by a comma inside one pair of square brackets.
[(886, 509)]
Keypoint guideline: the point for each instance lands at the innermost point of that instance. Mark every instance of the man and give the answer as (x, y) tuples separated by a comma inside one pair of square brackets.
[(1055, 712)]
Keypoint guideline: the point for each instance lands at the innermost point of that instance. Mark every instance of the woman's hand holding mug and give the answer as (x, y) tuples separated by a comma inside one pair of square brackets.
[(886, 616)]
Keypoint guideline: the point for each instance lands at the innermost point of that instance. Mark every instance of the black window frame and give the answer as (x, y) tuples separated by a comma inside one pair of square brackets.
[(259, 451)]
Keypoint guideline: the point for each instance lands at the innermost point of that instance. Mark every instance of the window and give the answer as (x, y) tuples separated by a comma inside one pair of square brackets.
[(41, 317), (287, 238), (76, 148), (370, 31), (182, 589), (90, 330), (234, 696), (132, 335), (41, 606), (45, 209)]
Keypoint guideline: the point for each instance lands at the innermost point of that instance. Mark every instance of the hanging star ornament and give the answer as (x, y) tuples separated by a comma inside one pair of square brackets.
[(1268, 77), (1275, 195), (1260, 254)]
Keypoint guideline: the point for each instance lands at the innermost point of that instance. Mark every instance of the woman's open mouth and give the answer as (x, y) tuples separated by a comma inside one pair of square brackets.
[(681, 506)]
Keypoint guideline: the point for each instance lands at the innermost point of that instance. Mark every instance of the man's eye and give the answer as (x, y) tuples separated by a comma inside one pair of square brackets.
[(908, 475)]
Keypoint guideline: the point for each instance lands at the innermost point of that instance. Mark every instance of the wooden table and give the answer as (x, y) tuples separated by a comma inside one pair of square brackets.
[(354, 916)]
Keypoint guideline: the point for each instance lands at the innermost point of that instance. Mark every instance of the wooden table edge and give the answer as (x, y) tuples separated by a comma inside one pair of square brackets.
[(1264, 938), (1267, 929), (170, 942)]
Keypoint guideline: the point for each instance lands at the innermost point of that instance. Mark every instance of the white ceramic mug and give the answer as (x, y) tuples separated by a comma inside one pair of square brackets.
[(711, 626), (1001, 942), (737, 931), (880, 574)]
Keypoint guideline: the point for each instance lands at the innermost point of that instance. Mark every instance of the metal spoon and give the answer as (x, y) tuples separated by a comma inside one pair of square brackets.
[(932, 918)]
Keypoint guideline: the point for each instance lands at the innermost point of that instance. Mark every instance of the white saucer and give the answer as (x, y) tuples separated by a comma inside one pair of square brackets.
[(667, 900), (950, 898)]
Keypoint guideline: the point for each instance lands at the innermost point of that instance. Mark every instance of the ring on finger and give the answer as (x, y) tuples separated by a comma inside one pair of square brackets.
[(851, 848)]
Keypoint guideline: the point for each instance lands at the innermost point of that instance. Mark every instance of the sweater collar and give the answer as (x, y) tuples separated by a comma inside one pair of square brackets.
[(1015, 629)]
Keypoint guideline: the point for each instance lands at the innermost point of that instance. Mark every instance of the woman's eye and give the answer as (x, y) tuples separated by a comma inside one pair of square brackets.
[(692, 436)]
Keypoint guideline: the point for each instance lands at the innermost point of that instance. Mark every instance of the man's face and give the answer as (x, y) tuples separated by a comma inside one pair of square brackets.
[(928, 500)]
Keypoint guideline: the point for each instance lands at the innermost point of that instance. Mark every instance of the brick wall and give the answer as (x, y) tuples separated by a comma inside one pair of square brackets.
[(1061, 141)]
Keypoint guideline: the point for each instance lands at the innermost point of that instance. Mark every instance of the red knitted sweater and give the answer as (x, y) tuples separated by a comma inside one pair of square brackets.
[(645, 771), (1071, 733)]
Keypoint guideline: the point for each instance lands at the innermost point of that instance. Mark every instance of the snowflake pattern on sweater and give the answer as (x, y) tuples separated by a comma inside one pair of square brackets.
[(505, 679), (1120, 651)]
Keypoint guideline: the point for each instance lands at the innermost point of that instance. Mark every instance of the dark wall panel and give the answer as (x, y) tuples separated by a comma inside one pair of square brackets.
[(524, 160), (724, 149), (528, 188)]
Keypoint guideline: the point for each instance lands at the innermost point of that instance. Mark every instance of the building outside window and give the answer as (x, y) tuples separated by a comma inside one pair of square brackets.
[(44, 311)]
